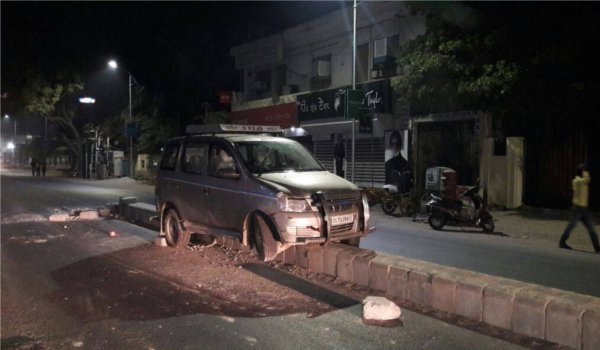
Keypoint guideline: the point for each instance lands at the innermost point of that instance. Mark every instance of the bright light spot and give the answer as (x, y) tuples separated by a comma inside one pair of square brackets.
[(6, 116), (112, 64), (10, 145), (87, 100), (293, 128)]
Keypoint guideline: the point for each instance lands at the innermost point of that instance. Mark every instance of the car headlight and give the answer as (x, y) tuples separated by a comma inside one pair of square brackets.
[(287, 204)]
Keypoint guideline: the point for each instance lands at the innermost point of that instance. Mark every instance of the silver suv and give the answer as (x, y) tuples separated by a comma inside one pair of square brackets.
[(268, 191)]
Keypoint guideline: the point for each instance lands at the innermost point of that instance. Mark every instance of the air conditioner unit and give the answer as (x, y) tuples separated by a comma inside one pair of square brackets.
[(376, 73), (380, 48), (384, 51), (322, 68)]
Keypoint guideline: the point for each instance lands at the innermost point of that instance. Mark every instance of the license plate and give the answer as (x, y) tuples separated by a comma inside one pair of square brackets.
[(341, 219)]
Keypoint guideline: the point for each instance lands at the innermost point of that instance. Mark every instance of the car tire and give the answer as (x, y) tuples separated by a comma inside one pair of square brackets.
[(257, 234), (437, 220), (177, 237)]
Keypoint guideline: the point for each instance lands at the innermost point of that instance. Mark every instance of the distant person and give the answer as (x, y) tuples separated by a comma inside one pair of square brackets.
[(33, 166), (38, 169), (44, 167), (580, 208)]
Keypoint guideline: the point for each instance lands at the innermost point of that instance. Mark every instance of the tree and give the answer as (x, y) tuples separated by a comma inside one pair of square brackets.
[(455, 64), (54, 100)]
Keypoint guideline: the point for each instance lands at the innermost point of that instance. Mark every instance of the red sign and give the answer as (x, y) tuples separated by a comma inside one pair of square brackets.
[(225, 97), (284, 115)]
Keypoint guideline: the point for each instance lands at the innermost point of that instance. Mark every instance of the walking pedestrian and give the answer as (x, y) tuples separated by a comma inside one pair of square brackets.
[(580, 208), (33, 166), (44, 167)]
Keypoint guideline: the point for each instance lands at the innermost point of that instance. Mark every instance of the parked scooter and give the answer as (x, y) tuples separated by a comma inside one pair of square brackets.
[(469, 209)]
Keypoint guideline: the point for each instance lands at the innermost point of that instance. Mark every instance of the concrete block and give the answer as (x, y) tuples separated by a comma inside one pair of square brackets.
[(378, 272), (443, 292), (360, 268), (160, 241), (344, 268), (104, 212), (124, 202), (498, 302), (301, 256), (330, 253), (469, 297), (289, 255), (315, 259), (419, 287), (59, 217), (398, 282), (564, 319), (89, 215), (590, 332), (529, 310), (380, 309)]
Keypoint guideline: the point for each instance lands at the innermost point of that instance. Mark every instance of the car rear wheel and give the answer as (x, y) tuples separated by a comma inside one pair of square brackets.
[(176, 235)]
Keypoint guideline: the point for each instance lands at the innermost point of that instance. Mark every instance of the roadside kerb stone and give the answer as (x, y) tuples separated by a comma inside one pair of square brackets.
[(469, 294), (344, 261), (590, 337), (443, 291), (289, 255), (398, 282), (529, 310), (360, 268), (564, 319), (315, 259), (419, 287), (498, 302), (59, 217), (89, 215), (301, 256), (378, 271), (330, 253), (124, 202)]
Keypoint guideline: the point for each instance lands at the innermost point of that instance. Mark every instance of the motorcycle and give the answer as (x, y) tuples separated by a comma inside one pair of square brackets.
[(469, 209), (399, 195)]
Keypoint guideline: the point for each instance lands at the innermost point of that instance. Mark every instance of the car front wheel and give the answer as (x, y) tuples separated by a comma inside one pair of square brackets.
[(176, 235)]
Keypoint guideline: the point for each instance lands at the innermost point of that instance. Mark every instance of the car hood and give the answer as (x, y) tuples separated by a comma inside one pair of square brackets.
[(303, 184)]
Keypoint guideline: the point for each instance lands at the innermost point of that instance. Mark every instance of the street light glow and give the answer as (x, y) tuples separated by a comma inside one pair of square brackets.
[(112, 64), (87, 100), (10, 145)]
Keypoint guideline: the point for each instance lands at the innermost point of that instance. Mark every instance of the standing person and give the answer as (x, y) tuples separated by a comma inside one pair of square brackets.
[(44, 167), (33, 166), (339, 153), (580, 211)]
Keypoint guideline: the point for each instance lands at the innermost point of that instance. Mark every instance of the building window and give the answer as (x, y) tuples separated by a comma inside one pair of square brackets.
[(262, 83), (321, 72), (280, 79)]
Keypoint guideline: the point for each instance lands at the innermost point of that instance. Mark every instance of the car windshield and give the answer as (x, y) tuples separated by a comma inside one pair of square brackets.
[(269, 156)]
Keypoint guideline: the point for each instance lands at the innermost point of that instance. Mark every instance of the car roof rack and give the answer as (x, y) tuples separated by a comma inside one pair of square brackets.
[(196, 129)]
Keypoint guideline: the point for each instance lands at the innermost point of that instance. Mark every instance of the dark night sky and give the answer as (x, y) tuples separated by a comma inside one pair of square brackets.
[(180, 49)]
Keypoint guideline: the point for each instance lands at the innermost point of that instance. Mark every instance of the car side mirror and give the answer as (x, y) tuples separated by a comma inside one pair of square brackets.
[(228, 173)]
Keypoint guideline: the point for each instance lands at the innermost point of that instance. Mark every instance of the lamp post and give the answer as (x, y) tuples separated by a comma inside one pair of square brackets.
[(353, 82), (113, 64)]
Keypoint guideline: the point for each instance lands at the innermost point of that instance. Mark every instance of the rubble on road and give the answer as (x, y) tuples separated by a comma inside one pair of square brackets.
[(380, 311)]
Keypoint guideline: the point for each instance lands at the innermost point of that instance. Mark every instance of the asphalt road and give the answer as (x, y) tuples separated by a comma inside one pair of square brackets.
[(499, 254), (64, 287)]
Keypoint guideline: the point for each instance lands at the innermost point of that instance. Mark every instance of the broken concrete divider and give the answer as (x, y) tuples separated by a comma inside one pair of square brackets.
[(59, 217), (380, 311), (89, 215), (124, 202)]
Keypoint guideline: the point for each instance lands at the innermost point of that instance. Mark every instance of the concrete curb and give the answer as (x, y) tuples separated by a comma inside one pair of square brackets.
[(550, 314)]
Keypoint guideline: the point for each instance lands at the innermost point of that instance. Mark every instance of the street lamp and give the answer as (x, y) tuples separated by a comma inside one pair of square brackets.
[(113, 65), (12, 144)]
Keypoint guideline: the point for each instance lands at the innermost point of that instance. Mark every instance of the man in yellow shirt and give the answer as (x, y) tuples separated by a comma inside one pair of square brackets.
[(580, 205)]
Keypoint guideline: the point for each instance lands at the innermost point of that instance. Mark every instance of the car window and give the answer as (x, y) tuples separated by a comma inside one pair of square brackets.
[(220, 160), (276, 156), (194, 158), (169, 157)]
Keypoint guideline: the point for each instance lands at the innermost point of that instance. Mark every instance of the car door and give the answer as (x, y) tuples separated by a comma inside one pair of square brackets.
[(193, 201), (167, 184), (225, 192)]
